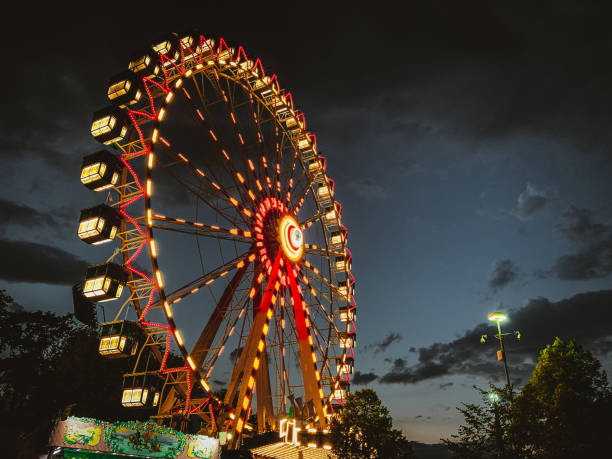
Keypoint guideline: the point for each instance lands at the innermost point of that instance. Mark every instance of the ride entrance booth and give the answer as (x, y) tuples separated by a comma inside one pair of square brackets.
[(84, 438)]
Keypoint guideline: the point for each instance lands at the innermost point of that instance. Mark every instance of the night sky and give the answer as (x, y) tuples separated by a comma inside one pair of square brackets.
[(470, 146)]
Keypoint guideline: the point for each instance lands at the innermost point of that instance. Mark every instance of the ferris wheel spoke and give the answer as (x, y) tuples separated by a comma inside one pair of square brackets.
[(312, 249), (207, 120), (296, 202), (314, 272), (201, 229), (208, 278), (222, 152), (197, 193), (209, 363), (289, 171), (306, 223), (207, 336), (211, 182)]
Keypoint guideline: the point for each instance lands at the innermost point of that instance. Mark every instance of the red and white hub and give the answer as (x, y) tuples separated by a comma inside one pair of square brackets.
[(291, 238), (276, 229)]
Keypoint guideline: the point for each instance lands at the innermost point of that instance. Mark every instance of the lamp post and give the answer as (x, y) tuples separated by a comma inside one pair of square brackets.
[(498, 318)]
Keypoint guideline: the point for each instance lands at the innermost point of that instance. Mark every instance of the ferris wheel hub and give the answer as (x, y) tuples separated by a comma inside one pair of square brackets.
[(291, 238)]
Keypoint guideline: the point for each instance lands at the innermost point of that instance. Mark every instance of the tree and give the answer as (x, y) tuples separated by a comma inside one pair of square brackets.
[(49, 364), (564, 409), (485, 432), (364, 430)]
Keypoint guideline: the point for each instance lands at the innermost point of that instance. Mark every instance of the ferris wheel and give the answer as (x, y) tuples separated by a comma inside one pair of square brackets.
[(231, 247)]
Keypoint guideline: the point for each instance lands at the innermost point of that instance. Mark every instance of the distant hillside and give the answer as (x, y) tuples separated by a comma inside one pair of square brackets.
[(425, 451)]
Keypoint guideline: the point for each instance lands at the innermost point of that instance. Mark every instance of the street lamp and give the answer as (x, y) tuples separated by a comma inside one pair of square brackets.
[(498, 318)]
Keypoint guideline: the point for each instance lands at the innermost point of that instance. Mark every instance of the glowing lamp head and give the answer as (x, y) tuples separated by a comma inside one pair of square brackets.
[(291, 238), (497, 317)]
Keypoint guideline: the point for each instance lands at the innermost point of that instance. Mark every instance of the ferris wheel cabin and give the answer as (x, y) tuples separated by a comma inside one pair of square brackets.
[(100, 170), (168, 47), (144, 64), (346, 367), (120, 339), (105, 282), (98, 224), (109, 125), (124, 89)]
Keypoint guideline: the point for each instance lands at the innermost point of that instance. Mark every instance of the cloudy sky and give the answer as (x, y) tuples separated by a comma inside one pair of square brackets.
[(470, 145)]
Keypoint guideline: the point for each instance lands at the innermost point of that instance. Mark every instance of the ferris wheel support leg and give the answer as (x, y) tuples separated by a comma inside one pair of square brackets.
[(251, 357), (265, 410), (310, 375)]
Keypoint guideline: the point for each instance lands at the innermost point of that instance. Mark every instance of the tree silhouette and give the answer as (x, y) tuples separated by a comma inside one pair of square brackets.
[(49, 367), (564, 409), (364, 430)]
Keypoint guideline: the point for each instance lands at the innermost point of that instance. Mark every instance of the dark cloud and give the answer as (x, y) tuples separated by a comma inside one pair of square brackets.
[(590, 262), (577, 225), (23, 215), (539, 322), (24, 261), (362, 379), (503, 272), (592, 257), (530, 202), (218, 382), (385, 343), (445, 386), (401, 373)]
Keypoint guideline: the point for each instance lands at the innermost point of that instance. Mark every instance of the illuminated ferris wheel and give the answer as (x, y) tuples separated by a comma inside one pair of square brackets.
[(232, 251)]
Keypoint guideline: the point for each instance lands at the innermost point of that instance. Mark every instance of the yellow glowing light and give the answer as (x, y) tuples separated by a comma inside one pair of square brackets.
[(158, 276), (256, 363), (497, 317), (168, 309), (205, 385), (191, 363), (179, 337), (291, 238), (153, 248), (169, 97)]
